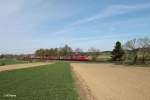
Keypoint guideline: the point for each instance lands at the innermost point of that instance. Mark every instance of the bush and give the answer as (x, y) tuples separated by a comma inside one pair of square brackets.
[(94, 58), (2, 64)]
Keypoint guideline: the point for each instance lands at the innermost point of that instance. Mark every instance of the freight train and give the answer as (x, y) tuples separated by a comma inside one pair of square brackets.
[(71, 57)]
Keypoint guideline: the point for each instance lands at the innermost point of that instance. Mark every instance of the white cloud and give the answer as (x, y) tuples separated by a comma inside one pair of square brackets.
[(112, 10), (19, 20), (22, 17)]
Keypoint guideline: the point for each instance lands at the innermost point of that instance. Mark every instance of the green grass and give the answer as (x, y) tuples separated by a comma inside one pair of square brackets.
[(49, 82), (11, 61), (103, 57)]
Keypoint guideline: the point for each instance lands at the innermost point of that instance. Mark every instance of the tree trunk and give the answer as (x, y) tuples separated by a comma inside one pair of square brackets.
[(143, 59), (135, 59)]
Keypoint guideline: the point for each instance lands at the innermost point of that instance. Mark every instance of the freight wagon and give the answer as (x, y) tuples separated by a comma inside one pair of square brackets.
[(72, 57)]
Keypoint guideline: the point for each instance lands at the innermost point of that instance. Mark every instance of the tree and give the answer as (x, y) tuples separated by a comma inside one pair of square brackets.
[(94, 53), (132, 46), (60, 52), (67, 51), (78, 50), (40, 52), (144, 44), (46, 52), (117, 52)]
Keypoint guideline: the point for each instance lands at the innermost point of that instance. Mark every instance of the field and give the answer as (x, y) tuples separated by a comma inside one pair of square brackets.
[(104, 57), (11, 61), (47, 82), (92, 81), (113, 82), (21, 66)]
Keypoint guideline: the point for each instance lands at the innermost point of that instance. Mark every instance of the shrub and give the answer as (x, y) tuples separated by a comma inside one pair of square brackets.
[(2, 64)]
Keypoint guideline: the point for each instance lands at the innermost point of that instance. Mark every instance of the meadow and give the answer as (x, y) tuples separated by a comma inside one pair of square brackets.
[(104, 57), (11, 61), (47, 82)]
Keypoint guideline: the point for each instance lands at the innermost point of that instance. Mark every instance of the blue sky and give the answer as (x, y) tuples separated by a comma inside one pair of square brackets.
[(26, 25)]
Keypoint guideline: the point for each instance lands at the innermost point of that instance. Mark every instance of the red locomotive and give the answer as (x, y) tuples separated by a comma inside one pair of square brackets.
[(79, 58)]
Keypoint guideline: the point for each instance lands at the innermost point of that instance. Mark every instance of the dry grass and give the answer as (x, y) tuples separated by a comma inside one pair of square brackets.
[(20, 66)]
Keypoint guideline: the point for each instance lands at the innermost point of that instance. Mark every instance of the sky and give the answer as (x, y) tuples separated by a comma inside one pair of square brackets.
[(27, 25)]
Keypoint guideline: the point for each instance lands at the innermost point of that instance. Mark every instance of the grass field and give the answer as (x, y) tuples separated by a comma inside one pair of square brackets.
[(48, 82), (104, 57), (11, 61)]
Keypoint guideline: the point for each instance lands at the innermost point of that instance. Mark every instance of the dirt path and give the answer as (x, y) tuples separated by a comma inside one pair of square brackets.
[(20, 66), (115, 82)]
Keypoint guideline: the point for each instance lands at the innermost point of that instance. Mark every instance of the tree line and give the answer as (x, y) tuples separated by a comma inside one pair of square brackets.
[(66, 51), (133, 50), (62, 51)]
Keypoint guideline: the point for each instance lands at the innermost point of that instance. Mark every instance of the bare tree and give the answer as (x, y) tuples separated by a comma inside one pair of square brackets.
[(144, 44), (67, 50), (93, 50), (78, 50), (132, 46), (94, 53)]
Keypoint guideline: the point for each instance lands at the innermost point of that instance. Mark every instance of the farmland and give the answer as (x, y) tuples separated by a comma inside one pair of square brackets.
[(11, 61), (22, 66), (46, 82), (104, 57), (113, 82), (89, 81)]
